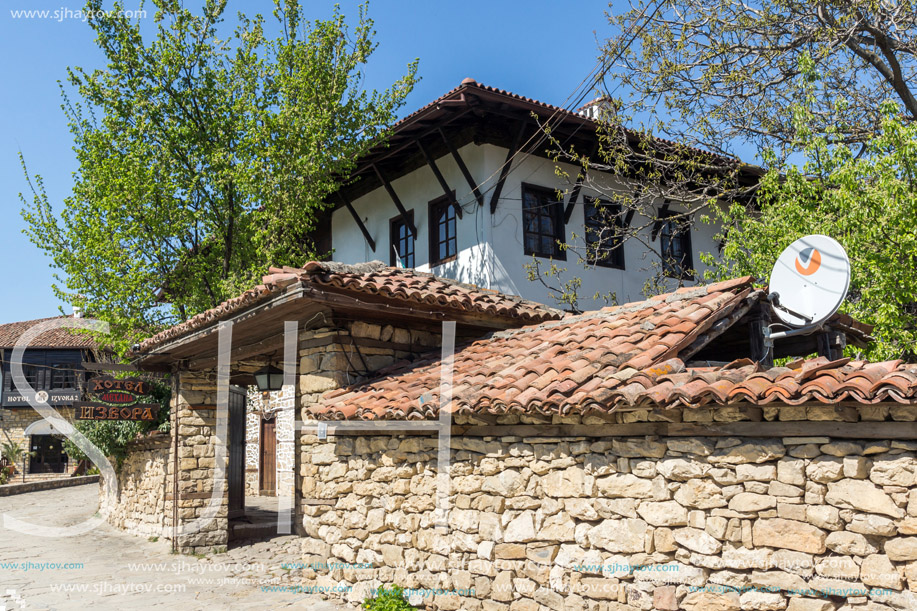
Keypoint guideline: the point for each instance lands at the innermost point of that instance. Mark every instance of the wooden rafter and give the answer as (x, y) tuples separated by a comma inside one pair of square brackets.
[(462, 167), (359, 221), (450, 194), (574, 196), (391, 193), (660, 218), (504, 171)]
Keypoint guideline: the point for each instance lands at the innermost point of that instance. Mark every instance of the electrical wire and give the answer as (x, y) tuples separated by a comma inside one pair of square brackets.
[(566, 108)]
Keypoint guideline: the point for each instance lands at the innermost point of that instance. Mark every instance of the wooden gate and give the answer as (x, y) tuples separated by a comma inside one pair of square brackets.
[(236, 466), (268, 469)]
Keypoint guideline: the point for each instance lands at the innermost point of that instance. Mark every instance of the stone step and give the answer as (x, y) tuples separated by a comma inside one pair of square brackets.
[(258, 530)]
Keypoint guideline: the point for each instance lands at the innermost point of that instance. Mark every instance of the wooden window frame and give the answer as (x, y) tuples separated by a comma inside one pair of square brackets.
[(443, 202), (392, 224), (557, 210), (684, 233), (615, 260)]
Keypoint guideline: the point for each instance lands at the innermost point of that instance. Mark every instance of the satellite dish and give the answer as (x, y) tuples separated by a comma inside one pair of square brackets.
[(809, 281)]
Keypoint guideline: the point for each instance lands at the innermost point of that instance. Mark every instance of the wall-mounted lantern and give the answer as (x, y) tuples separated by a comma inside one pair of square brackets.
[(269, 378)]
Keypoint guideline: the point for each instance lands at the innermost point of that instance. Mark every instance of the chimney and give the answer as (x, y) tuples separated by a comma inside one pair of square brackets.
[(77, 312), (596, 108)]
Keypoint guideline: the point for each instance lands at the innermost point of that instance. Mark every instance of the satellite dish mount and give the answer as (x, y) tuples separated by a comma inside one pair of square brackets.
[(807, 285)]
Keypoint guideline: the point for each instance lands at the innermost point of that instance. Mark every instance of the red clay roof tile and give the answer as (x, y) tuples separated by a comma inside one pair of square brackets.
[(620, 356), (376, 279), (54, 338)]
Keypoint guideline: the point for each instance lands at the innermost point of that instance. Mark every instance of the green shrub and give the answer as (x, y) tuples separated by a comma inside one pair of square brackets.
[(388, 599)]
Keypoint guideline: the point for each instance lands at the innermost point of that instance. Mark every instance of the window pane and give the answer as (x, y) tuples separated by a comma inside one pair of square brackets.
[(542, 216), (547, 225)]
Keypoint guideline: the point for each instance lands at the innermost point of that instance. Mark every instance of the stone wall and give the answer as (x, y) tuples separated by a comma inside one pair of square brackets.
[(623, 523), (47, 484), (253, 411), (144, 485), (333, 357), (203, 523)]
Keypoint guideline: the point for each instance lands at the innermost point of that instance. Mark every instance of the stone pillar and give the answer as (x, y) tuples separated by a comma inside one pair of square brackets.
[(253, 413), (283, 403), (203, 525)]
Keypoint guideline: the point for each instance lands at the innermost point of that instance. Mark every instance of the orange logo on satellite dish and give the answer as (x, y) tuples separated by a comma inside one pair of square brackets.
[(808, 261)]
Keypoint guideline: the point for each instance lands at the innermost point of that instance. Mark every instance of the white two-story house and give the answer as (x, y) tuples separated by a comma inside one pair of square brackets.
[(464, 190)]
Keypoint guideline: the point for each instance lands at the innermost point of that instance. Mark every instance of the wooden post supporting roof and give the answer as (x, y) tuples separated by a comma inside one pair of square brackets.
[(450, 194), (359, 221), (504, 171), (462, 167), (391, 193)]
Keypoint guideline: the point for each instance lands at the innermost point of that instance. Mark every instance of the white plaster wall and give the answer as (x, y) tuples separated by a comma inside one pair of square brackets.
[(416, 190), (491, 252)]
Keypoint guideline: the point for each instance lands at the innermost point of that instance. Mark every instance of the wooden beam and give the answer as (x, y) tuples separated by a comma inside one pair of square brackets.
[(574, 196), (380, 309), (831, 344), (759, 320), (268, 345), (394, 196), (439, 177), (847, 430), (462, 167), (94, 366), (430, 127), (657, 224), (504, 171), (359, 221)]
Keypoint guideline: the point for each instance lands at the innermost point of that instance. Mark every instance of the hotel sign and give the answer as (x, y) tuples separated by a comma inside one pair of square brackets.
[(13, 398), (117, 399)]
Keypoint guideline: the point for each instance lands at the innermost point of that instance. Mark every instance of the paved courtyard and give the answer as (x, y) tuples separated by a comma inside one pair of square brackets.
[(109, 569)]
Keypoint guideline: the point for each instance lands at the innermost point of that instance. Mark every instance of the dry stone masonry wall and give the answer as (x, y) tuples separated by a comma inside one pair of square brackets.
[(144, 482), (194, 406), (253, 414), (621, 524)]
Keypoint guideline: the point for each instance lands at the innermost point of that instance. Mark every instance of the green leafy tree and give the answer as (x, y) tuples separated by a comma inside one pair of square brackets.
[(867, 202), (720, 72), (204, 156)]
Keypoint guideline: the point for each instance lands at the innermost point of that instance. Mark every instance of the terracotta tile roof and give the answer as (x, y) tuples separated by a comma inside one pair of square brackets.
[(379, 281), (55, 338), (470, 86), (803, 381), (625, 356), (557, 366)]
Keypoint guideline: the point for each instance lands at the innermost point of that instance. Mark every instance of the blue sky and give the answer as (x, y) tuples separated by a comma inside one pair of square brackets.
[(537, 48)]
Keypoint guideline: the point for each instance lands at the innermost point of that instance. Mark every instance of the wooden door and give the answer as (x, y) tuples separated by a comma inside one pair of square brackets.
[(47, 454), (236, 467), (268, 457)]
